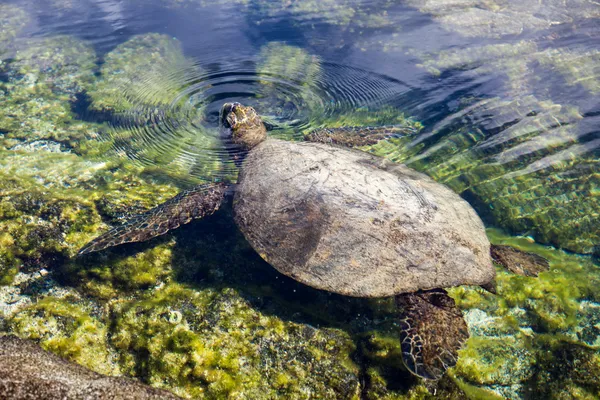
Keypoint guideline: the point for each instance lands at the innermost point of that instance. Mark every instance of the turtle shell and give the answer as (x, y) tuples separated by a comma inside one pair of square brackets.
[(352, 223)]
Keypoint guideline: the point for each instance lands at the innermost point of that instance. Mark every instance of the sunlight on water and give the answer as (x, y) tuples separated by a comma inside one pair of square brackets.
[(110, 107)]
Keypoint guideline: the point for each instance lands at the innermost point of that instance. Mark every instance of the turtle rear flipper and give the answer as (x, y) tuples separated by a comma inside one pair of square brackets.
[(518, 261), (355, 136), (433, 330), (198, 202)]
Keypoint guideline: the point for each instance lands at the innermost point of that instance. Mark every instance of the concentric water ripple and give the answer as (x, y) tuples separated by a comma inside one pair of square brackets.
[(172, 113)]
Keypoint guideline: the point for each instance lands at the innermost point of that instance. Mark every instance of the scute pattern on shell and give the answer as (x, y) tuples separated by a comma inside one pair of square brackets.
[(351, 223)]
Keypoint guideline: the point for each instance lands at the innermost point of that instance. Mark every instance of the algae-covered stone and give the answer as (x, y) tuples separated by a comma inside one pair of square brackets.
[(145, 71), (338, 12), (577, 66), (47, 210), (12, 21), (288, 76), (523, 65), (288, 62), (509, 61), (522, 335), (63, 63), (29, 372), (500, 18), (139, 88), (214, 343), (106, 278), (44, 80), (526, 161), (177, 4), (69, 327)]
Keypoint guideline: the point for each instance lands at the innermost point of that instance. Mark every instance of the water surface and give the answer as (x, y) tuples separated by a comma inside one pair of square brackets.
[(109, 107)]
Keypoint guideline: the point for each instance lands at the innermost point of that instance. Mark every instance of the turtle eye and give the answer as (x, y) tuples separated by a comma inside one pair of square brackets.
[(231, 119)]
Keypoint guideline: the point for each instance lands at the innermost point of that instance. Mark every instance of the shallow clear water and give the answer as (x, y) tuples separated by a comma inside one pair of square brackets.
[(110, 107)]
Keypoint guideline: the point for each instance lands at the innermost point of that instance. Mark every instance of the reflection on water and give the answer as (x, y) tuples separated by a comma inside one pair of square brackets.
[(110, 107)]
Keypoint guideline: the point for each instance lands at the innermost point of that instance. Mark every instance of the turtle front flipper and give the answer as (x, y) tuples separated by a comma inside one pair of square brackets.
[(433, 330), (198, 202), (356, 136)]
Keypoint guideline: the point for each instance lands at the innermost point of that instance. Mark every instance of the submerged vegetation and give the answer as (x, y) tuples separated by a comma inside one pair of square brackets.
[(197, 312)]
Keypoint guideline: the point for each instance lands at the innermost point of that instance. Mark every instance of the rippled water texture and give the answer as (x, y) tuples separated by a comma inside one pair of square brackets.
[(109, 107)]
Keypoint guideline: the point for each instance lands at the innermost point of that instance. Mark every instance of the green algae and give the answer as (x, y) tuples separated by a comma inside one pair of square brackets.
[(47, 211), (279, 65), (139, 86), (539, 175), (288, 62), (214, 344), (578, 67), (67, 327), (521, 64), (44, 79), (107, 278), (329, 11), (372, 116), (144, 72), (520, 334), (509, 60), (63, 63), (495, 19), (12, 21)]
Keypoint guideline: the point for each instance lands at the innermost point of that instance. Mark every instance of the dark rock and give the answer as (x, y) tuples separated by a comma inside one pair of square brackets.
[(29, 372)]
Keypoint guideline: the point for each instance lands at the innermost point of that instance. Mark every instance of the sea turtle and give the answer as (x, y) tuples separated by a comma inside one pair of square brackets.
[(344, 221)]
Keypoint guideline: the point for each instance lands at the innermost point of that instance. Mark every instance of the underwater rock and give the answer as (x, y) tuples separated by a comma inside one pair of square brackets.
[(47, 210), (40, 145), (12, 21), (65, 323), (44, 79), (27, 371), (337, 12), (63, 63), (139, 91), (509, 61), (177, 4), (289, 63), (146, 71), (521, 65), (214, 343), (279, 64), (577, 66), (524, 161), (522, 337), (495, 19)]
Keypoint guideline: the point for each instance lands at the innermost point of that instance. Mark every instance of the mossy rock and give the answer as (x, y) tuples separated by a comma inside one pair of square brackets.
[(145, 71), (12, 21), (64, 63), (47, 211), (213, 343), (45, 78), (495, 19), (525, 332), (69, 327)]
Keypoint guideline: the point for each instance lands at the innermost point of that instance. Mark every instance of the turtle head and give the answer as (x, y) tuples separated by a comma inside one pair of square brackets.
[(243, 124)]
